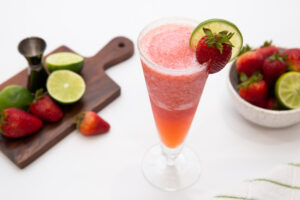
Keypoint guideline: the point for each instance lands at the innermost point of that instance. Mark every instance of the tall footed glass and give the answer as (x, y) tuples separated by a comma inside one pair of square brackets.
[(175, 81)]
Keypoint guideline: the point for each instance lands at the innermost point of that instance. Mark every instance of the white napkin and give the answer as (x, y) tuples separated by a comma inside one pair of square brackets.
[(283, 183)]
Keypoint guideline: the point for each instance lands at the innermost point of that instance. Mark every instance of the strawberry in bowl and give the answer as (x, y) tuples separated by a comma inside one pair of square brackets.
[(267, 49), (267, 93), (254, 89), (293, 59), (249, 62)]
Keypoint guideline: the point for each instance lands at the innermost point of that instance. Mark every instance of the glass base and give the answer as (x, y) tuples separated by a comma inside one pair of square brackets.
[(183, 172)]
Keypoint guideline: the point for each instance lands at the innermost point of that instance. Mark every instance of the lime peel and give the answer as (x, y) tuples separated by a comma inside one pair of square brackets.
[(65, 60)]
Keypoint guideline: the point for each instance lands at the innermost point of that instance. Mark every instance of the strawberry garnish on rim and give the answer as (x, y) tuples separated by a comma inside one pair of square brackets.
[(214, 49)]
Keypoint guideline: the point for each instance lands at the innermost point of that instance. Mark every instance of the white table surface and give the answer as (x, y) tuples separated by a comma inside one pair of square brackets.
[(108, 166)]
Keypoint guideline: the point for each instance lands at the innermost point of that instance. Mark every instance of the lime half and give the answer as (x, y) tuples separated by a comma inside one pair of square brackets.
[(64, 60), (287, 90), (216, 26), (65, 86)]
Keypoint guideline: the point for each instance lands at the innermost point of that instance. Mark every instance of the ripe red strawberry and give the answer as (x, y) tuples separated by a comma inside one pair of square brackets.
[(267, 49), (214, 49), (45, 108), (293, 59), (16, 123), (89, 123), (273, 104), (254, 90), (249, 63), (273, 67)]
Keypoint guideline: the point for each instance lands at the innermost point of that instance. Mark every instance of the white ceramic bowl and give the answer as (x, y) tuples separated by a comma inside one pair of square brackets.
[(257, 115)]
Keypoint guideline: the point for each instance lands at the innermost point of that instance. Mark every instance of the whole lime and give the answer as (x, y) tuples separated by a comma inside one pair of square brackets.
[(15, 96)]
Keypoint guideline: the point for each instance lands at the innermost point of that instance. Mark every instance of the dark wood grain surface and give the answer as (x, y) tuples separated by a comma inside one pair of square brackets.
[(100, 91)]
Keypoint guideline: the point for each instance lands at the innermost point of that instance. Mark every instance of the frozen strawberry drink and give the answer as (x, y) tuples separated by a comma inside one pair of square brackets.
[(177, 55), (175, 80)]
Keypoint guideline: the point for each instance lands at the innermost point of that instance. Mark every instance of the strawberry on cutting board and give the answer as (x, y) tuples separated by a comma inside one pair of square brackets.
[(293, 59), (273, 67), (45, 108), (254, 89), (267, 49), (90, 123), (16, 123), (214, 49)]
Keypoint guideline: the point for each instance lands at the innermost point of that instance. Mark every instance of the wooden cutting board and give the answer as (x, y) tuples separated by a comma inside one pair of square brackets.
[(100, 91)]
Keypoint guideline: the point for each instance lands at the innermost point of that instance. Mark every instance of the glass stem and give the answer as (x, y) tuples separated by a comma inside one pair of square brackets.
[(171, 153)]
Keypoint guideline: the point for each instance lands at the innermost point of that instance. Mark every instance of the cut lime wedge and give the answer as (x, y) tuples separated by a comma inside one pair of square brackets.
[(64, 60), (65, 86), (287, 90), (216, 26)]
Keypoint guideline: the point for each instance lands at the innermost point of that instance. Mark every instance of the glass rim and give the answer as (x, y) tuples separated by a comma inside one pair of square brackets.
[(160, 22)]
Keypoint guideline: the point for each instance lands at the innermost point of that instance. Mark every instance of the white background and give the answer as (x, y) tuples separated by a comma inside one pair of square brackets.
[(108, 166)]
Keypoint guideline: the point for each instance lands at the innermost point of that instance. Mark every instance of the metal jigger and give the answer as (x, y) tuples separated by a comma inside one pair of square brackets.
[(32, 49)]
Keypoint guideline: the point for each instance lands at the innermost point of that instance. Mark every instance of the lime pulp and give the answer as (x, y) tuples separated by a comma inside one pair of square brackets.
[(65, 86), (287, 90)]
